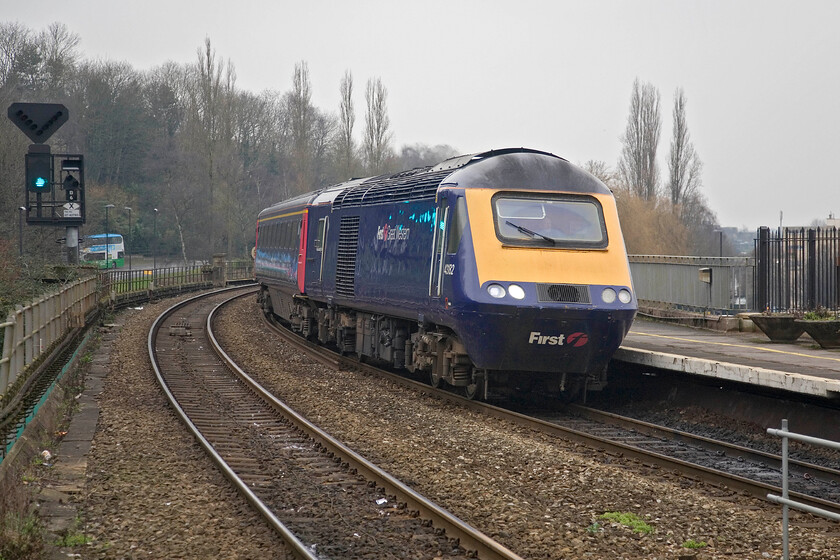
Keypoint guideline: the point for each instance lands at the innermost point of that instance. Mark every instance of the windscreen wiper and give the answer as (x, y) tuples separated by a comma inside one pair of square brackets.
[(527, 231)]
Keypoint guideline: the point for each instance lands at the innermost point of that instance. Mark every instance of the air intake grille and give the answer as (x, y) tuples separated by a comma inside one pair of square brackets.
[(416, 184), (563, 293), (348, 247)]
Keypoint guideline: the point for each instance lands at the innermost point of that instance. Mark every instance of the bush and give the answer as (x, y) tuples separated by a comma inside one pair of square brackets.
[(21, 534)]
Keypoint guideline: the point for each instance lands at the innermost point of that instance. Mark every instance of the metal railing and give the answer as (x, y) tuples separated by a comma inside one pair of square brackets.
[(130, 281), (32, 329), (784, 499), (671, 281)]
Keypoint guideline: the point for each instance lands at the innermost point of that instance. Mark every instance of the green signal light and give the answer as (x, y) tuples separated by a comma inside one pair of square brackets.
[(40, 182)]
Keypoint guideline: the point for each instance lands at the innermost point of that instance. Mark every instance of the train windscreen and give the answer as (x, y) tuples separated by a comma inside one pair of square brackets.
[(546, 220)]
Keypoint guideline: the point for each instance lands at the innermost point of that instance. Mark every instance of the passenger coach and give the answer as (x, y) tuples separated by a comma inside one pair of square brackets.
[(505, 268)]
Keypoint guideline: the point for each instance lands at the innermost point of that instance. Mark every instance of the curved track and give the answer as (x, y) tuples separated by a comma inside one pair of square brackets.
[(718, 462), (325, 500)]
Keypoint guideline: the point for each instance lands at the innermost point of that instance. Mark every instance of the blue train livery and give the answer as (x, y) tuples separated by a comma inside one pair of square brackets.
[(505, 269)]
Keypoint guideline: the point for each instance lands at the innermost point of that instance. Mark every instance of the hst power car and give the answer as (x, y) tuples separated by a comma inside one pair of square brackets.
[(503, 269)]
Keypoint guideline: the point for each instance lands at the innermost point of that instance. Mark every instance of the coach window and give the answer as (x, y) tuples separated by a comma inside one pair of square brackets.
[(271, 236), (287, 234)]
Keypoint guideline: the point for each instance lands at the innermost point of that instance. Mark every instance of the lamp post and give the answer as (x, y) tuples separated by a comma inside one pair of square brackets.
[(130, 237), (154, 246), (21, 210), (107, 237)]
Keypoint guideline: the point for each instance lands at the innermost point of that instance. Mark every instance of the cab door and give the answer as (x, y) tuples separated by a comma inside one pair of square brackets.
[(315, 260), (438, 265)]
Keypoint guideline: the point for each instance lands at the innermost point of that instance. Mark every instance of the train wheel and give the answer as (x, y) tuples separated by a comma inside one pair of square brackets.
[(435, 380), (476, 388)]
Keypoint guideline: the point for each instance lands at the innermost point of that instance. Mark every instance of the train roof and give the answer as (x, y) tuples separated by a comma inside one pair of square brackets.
[(524, 169), (512, 168)]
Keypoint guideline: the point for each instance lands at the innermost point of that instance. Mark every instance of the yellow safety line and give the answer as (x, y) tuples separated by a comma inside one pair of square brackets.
[(738, 346)]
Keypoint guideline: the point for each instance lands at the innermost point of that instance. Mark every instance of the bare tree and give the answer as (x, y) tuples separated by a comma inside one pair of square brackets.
[(19, 63), (345, 145), (377, 139), (684, 166), (637, 166), (421, 155), (323, 131), (649, 227), (20, 58), (602, 172), (207, 138), (59, 52), (301, 120), (111, 107)]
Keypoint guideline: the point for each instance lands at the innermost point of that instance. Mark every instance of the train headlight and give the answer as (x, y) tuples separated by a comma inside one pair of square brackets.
[(516, 291), (496, 291), (624, 296), (608, 295)]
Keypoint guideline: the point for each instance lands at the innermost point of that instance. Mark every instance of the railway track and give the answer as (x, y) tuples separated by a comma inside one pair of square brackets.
[(324, 500), (718, 462), (736, 466)]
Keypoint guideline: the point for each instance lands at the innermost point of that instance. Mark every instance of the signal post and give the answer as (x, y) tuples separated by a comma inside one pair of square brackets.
[(55, 193)]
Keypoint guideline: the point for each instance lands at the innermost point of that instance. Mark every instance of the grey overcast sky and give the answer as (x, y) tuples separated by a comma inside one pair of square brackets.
[(762, 77)]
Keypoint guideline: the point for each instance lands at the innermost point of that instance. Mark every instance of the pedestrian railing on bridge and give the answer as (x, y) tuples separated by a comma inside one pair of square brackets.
[(791, 270), (719, 284)]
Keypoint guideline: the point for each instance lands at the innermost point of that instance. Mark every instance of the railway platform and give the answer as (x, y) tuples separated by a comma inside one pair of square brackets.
[(746, 357)]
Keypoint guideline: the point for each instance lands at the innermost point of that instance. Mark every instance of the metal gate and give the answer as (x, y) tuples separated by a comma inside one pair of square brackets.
[(797, 269)]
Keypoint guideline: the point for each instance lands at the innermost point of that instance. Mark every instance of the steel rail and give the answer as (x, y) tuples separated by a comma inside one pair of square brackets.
[(469, 537), (708, 443), (298, 548)]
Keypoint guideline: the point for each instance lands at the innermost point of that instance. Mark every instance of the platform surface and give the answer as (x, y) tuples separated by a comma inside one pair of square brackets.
[(801, 367)]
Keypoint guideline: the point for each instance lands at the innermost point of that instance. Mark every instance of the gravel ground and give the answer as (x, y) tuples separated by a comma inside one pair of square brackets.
[(540, 496), (151, 492)]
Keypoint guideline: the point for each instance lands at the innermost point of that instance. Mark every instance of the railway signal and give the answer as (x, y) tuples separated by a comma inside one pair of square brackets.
[(39, 169), (38, 120), (71, 188), (47, 173)]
